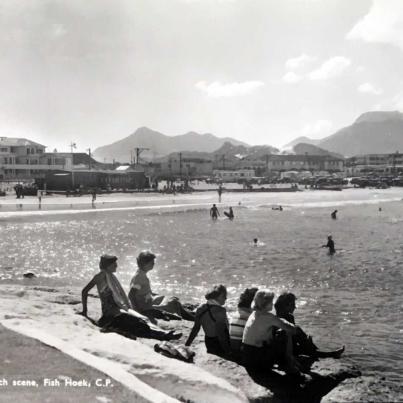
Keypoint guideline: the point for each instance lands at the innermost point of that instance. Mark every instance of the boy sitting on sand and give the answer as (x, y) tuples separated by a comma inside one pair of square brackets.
[(302, 343), (145, 301), (116, 308)]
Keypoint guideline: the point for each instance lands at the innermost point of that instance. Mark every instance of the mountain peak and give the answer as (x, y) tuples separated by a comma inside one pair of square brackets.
[(379, 116)]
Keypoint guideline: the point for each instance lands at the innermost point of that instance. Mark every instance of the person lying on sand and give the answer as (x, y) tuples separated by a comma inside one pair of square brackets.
[(302, 343), (145, 301), (260, 350), (212, 317), (117, 313)]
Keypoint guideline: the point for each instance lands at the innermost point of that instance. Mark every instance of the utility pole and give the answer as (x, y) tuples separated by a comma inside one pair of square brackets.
[(89, 160), (72, 146), (138, 151), (180, 166), (223, 161)]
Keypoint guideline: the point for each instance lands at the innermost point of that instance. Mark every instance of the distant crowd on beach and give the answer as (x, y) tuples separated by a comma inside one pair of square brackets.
[(254, 336)]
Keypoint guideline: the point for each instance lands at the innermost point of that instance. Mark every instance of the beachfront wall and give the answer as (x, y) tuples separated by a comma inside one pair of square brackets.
[(67, 180), (312, 163)]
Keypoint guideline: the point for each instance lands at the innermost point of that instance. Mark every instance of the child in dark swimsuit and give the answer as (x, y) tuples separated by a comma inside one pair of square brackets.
[(212, 316)]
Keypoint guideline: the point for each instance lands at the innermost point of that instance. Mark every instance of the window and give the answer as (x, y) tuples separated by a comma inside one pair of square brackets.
[(3, 149)]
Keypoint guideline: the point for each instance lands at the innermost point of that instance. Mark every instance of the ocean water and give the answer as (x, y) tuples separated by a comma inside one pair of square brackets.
[(353, 298)]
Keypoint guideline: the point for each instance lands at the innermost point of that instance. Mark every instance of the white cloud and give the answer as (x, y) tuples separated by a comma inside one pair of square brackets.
[(320, 128), (298, 62), (217, 89), (368, 88), (330, 68), (382, 24), (397, 102), (58, 30), (291, 78)]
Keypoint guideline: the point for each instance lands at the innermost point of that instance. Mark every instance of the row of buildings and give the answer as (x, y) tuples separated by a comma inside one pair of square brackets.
[(22, 159), (25, 160)]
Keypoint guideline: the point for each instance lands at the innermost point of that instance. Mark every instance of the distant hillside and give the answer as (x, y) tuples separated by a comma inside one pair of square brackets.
[(371, 133), (301, 139), (309, 149), (229, 153), (160, 145)]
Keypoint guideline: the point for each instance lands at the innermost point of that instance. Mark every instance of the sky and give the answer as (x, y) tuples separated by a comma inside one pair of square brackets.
[(261, 71)]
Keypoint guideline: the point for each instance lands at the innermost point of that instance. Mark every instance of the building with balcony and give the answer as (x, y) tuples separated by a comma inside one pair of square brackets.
[(312, 163), (22, 159), (375, 163), (236, 175)]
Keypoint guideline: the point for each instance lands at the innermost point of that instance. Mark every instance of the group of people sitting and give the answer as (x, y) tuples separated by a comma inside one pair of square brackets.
[(134, 314), (253, 337)]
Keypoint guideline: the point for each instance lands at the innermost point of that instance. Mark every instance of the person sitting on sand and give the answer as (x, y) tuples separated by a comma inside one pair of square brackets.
[(212, 317), (334, 215), (229, 214), (330, 245), (260, 350), (214, 213), (238, 321), (145, 301), (116, 308), (302, 343)]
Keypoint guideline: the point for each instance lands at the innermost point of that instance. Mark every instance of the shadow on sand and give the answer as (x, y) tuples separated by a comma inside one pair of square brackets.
[(310, 387)]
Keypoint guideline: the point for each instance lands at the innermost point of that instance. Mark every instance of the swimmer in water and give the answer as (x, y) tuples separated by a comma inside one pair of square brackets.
[(330, 245), (214, 213), (333, 215), (229, 214)]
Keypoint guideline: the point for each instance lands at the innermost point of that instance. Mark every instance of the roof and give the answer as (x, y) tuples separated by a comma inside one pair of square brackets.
[(17, 142)]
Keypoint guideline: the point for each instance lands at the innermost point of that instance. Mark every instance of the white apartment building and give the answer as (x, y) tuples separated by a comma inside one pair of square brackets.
[(22, 159)]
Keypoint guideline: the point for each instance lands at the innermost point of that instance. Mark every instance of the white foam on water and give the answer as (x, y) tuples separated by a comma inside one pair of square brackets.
[(41, 213)]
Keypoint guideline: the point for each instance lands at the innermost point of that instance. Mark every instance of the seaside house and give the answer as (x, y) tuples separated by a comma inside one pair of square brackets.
[(22, 159), (312, 163), (234, 176), (376, 163)]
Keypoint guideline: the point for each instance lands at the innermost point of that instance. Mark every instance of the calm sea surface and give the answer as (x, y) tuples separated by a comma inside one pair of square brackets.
[(352, 298)]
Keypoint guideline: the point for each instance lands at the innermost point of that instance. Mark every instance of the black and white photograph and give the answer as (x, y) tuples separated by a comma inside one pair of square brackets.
[(201, 201)]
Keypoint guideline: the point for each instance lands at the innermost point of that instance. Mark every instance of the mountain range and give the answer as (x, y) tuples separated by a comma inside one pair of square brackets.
[(376, 132), (159, 145), (371, 133)]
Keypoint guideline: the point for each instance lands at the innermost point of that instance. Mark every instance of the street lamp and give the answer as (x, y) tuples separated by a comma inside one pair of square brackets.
[(72, 146)]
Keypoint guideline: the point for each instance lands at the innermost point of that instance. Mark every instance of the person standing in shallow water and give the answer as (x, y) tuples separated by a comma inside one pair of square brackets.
[(214, 213), (330, 245), (212, 317), (116, 308)]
